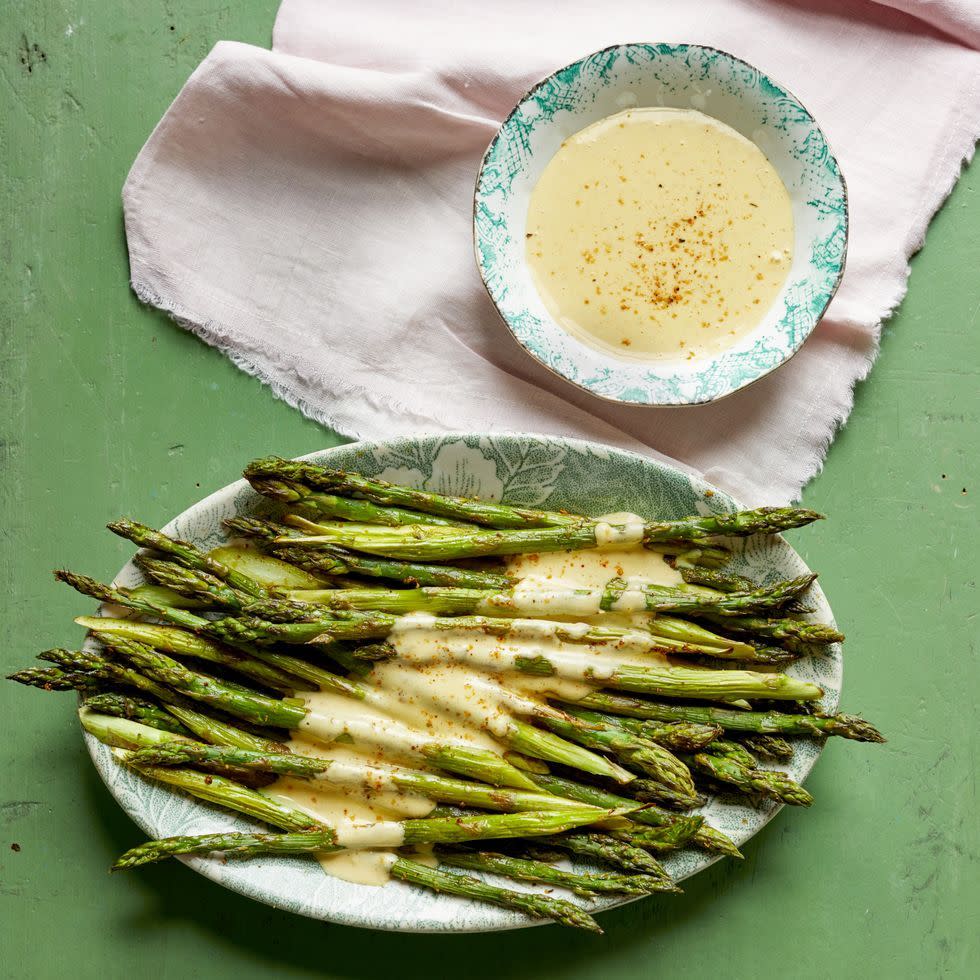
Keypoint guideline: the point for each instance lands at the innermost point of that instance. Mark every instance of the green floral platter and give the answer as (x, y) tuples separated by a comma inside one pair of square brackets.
[(534, 471), (685, 76)]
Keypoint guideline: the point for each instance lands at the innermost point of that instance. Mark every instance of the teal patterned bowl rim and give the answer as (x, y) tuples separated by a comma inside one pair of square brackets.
[(743, 97), (525, 469)]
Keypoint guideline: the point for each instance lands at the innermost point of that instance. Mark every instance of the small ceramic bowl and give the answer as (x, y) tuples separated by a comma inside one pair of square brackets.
[(685, 76)]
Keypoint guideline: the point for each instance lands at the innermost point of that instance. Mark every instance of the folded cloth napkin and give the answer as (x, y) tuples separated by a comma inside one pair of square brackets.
[(307, 209)]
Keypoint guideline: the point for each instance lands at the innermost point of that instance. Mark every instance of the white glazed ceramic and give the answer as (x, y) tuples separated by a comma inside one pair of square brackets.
[(534, 471), (684, 76)]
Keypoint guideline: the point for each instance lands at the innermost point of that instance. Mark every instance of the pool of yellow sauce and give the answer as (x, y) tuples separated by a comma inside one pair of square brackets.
[(659, 234)]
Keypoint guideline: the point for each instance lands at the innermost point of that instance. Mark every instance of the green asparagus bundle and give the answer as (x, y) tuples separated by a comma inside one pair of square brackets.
[(603, 705)]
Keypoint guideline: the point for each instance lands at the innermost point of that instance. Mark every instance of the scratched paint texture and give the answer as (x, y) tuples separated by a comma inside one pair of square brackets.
[(107, 409)]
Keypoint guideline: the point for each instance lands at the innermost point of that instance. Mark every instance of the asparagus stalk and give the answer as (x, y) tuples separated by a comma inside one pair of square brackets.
[(531, 903), (425, 543), (443, 830), (435, 787), (328, 505), (706, 837), (682, 736), (618, 595), (522, 738), (585, 884), (696, 637), (714, 578), (659, 679), (123, 733), (333, 561), (662, 840), (55, 679), (136, 709), (603, 847), (185, 554), (94, 668), (218, 789), (769, 783), (163, 596), (764, 520), (765, 722), (172, 639), (254, 668), (647, 756), (545, 745), (650, 791), (768, 746), (794, 634), (734, 751), (291, 479)]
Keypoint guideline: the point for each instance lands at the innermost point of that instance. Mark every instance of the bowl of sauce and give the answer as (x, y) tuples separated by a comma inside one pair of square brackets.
[(660, 224)]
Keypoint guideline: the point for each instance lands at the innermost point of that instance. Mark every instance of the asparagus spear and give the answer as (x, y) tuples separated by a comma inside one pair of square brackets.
[(767, 722), (768, 746), (683, 736), (295, 479), (531, 903), (706, 837), (136, 709), (94, 668), (734, 751), (766, 520), (662, 840), (794, 634), (603, 847), (217, 789), (650, 791), (185, 554), (769, 783), (435, 787), (423, 543), (695, 636), (647, 756), (443, 830), (328, 505), (714, 578), (585, 884), (172, 639), (335, 561), (618, 595), (522, 738), (55, 679), (545, 745), (125, 733)]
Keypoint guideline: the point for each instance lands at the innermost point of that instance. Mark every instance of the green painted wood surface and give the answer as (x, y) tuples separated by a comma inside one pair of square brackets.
[(107, 409)]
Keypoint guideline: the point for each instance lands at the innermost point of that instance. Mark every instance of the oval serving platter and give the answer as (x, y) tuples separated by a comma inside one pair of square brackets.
[(534, 471), (684, 76)]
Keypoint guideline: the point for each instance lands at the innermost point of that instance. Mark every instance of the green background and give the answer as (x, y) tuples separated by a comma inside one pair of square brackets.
[(108, 409)]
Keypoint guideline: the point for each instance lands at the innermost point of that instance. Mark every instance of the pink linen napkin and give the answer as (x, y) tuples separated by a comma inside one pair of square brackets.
[(307, 210)]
